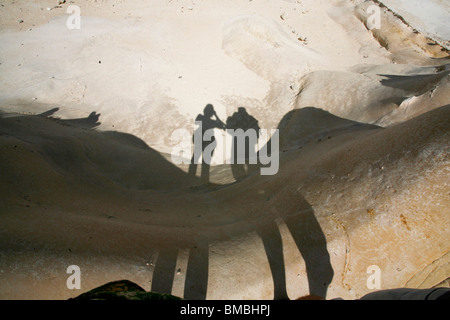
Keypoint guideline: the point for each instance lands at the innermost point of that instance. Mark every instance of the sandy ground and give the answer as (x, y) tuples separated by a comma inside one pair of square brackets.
[(87, 117)]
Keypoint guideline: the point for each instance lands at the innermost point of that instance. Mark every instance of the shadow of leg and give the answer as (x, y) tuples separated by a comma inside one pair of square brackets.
[(193, 166), (164, 272), (208, 153), (205, 172), (311, 242), (196, 284), (238, 171), (273, 246)]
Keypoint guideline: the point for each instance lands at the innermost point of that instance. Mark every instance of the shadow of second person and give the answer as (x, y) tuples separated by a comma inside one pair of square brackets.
[(243, 153)]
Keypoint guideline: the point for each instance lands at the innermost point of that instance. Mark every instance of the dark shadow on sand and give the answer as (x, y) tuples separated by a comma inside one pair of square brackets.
[(299, 218), (241, 157)]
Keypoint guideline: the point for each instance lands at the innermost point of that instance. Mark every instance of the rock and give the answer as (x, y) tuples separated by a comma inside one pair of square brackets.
[(122, 290)]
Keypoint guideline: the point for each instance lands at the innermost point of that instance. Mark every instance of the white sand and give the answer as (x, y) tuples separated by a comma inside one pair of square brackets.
[(363, 118)]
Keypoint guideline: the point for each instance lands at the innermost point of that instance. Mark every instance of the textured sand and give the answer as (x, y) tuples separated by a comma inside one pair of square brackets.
[(364, 168)]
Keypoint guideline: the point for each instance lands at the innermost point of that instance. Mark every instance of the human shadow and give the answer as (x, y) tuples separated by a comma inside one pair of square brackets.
[(245, 135), (204, 142), (298, 217), (123, 148), (297, 129)]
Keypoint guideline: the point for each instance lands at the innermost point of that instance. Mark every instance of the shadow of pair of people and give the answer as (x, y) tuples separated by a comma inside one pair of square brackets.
[(240, 155), (300, 221), (298, 216)]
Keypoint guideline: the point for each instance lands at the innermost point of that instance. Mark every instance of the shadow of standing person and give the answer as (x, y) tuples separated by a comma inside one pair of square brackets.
[(204, 141), (301, 222), (245, 136)]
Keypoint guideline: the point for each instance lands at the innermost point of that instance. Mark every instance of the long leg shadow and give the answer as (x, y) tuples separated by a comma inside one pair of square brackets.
[(205, 166), (164, 272), (311, 242), (196, 283), (273, 246)]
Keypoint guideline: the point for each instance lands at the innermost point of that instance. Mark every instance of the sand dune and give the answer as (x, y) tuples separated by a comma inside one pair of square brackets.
[(86, 176)]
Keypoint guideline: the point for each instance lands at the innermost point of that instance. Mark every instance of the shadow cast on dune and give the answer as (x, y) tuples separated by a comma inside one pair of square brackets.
[(299, 128), (130, 164), (153, 206)]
